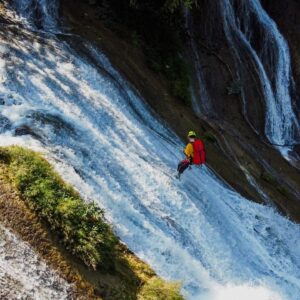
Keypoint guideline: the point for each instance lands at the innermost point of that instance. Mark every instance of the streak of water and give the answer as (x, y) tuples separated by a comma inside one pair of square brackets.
[(245, 22)]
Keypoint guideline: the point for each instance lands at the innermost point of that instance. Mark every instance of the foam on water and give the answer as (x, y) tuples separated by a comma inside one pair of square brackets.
[(104, 140), (23, 275)]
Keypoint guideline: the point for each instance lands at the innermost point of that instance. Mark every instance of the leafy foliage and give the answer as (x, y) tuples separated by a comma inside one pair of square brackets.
[(80, 225), (157, 289)]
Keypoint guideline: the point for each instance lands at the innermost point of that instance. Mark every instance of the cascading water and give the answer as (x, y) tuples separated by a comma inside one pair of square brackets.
[(105, 141), (24, 276), (42, 14), (246, 22)]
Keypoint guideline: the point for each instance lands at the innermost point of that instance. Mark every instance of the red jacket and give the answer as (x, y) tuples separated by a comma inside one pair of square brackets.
[(199, 157)]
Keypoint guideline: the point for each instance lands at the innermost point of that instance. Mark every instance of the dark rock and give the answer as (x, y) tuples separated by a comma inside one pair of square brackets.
[(5, 124), (7, 257), (25, 130)]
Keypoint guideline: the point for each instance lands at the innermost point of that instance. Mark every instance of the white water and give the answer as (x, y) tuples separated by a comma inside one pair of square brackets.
[(38, 13), (272, 62), (24, 276), (104, 140)]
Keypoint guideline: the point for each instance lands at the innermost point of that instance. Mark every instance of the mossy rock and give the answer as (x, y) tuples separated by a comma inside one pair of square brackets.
[(157, 289)]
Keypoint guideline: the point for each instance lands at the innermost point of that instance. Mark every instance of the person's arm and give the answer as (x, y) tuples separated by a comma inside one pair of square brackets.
[(189, 151)]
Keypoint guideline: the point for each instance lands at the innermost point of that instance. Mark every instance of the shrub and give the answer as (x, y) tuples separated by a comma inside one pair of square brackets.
[(80, 226), (157, 289)]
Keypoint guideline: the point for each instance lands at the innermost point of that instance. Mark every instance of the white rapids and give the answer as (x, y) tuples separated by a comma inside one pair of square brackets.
[(23, 275), (102, 138)]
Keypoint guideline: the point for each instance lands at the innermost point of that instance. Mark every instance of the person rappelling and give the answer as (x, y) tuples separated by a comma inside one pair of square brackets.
[(194, 154)]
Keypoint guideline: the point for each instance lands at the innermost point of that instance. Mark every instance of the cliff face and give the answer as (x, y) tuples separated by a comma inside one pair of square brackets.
[(241, 51), (229, 95), (261, 69)]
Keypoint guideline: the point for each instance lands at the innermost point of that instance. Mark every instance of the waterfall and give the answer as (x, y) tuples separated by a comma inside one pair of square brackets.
[(42, 14), (251, 33), (70, 103)]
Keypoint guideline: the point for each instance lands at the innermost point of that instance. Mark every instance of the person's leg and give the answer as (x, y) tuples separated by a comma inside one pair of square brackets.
[(182, 166)]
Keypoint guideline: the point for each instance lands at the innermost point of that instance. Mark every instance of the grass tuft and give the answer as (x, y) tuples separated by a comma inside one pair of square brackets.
[(157, 289), (80, 226)]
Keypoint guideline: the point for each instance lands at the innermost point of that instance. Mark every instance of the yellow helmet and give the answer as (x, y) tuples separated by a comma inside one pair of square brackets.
[(192, 134)]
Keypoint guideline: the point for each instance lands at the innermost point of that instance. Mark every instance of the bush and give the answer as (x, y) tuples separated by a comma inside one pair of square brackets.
[(79, 225), (157, 289)]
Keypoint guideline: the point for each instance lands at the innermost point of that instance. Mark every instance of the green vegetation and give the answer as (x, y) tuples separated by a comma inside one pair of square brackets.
[(81, 228), (158, 28), (157, 289)]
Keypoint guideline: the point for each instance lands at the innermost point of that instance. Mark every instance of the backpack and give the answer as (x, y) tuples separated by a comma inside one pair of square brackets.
[(199, 153)]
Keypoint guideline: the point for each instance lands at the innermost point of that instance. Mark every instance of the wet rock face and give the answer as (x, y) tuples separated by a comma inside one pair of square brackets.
[(226, 116), (239, 45), (222, 71), (5, 124)]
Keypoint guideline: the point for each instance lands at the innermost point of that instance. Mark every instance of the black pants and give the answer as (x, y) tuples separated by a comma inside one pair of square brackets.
[(183, 165)]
